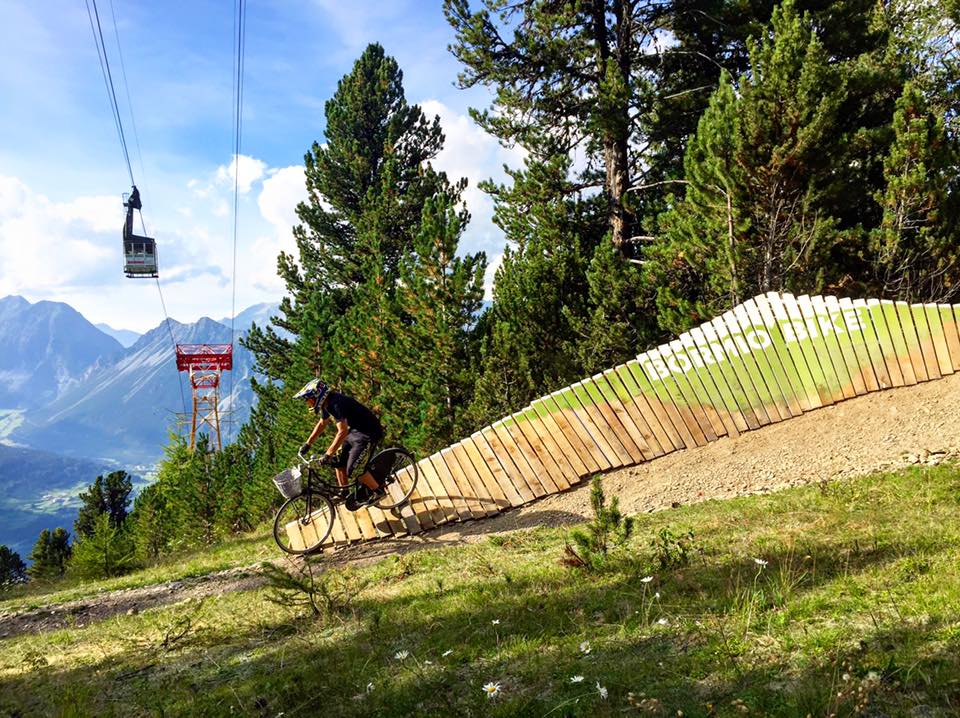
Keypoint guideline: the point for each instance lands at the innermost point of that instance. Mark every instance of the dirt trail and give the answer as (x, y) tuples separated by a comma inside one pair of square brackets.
[(885, 430)]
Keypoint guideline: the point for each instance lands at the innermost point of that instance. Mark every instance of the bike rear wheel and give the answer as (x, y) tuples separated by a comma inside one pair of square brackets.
[(400, 476), (303, 523)]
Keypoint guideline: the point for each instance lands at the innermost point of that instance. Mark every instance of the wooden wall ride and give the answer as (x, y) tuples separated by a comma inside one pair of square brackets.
[(769, 359)]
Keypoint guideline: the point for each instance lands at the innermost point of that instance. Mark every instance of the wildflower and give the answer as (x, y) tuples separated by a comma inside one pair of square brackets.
[(495, 621), (602, 690), (657, 595), (370, 687), (646, 579), (663, 622), (428, 663), (446, 653), (401, 655), (759, 562), (845, 677), (576, 679), (492, 689), (585, 647)]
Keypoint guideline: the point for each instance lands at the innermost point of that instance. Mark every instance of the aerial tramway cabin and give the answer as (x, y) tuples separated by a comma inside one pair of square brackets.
[(139, 253)]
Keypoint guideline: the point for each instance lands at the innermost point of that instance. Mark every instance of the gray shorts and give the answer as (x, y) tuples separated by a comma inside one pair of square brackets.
[(356, 447)]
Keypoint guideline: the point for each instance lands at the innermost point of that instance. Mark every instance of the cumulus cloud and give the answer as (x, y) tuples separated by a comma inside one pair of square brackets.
[(277, 202), (46, 244), (243, 170)]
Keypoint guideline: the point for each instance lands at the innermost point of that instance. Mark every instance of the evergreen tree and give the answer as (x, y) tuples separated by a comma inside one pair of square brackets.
[(107, 551), (106, 495), (916, 249), (752, 219), (151, 523), (13, 570), (439, 296), (50, 555), (232, 468)]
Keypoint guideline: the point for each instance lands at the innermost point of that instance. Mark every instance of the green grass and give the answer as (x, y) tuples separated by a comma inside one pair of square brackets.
[(854, 612)]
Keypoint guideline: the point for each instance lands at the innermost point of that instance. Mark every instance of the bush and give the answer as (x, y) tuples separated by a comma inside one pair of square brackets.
[(608, 530)]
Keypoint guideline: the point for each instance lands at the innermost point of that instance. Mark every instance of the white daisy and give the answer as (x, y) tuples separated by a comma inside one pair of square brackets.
[(576, 679), (602, 691), (759, 562), (646, 579), (446, 653), (492, 689), (495, 621), (663, 622), (401, 655), (370, 687), (585, 647)]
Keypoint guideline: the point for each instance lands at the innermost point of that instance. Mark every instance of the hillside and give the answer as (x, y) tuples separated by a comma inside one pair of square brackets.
[(827, 595)]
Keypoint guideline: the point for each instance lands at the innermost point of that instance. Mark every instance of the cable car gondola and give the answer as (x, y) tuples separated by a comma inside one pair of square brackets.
[(139, 253)]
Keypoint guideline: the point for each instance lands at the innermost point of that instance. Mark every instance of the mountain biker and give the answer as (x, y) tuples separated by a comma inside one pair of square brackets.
[(358, 430)]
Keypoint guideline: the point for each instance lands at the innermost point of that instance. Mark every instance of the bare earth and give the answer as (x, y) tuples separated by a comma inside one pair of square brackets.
[(885, 430)]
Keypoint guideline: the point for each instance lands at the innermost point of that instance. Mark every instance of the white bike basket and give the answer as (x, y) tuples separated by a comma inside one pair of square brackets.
[(289, 482)]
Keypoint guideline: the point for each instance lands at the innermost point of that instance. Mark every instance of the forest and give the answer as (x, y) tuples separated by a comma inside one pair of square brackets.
[(681, 156)]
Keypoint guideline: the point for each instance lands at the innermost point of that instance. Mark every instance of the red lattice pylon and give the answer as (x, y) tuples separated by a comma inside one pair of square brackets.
[(205, 363)]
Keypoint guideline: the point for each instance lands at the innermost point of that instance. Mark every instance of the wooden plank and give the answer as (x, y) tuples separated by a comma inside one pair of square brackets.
[(384, 522), (600, 431), (925, 339), (506, 476), (766, 334), (913, 343), (631, 418), (856, 337), (757, 365), (498, 438), (351, 527), (548, 429), (704, 386), (550, 448), (872, 345), (901, 354), (877, 316), (516, 461), (718, 334), (538, 452), (938, 336), (430, 498), (808, 335), (429, 475), (793, 328), (454, 494), (338, 535), (791, 355), (420, 506), (550, 414), (365, 521), (527, 452), (492, 496), (610, 416), (758, 338), (617, 415), (652, 411), (833, 324), (564, 403), (820, 332), (951, 332), (724, 379), (636, 405), (684, 395), (649, 369), (449, 469), (483, 503)]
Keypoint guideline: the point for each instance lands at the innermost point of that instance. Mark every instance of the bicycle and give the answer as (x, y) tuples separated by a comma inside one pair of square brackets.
[(305, 520)]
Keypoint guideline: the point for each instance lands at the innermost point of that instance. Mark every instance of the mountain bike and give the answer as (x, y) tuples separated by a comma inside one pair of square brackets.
[(304, 521)]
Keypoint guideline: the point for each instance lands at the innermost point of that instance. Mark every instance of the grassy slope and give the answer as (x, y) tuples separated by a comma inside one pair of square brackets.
[(856, 606)]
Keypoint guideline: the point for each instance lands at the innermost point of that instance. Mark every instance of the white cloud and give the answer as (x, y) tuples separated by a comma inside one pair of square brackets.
[(251, 170), (281, 192), (45, 244)]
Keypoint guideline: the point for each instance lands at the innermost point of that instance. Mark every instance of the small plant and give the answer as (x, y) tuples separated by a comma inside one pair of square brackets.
[(608, 529), (672, 550), (327, 593)]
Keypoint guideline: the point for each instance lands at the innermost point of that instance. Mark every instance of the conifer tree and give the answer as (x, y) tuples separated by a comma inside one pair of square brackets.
[(916, 249), (753, 219), (105, 552), (106, 495), (50, 555), (151, 523), (13, 570), (439, 296)]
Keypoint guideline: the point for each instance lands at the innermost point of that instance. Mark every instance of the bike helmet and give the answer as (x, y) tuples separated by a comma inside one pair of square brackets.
[(313, 389)]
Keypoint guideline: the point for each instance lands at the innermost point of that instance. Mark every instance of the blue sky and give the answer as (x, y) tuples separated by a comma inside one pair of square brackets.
[(62, 171)]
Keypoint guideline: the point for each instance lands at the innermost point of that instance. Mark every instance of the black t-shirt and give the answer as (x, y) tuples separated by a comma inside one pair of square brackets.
[(358, 417)]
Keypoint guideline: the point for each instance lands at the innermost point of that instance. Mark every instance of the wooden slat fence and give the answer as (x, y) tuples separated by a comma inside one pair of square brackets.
[(772, 358)]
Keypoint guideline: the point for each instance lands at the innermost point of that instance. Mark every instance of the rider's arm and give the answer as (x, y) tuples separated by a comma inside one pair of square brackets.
[(317, 430), (342, 431)]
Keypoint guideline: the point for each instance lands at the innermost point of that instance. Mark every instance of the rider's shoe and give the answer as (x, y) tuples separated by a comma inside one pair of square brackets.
[(364, 496)]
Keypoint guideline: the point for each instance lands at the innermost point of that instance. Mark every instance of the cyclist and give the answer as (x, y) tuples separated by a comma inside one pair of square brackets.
[(358, 430)]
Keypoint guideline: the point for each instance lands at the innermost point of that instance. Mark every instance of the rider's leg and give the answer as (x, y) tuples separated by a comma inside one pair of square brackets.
[(341, 475), (367, 480)]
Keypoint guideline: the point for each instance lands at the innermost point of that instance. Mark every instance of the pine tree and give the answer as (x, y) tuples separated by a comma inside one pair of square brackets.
[(13, 570), (107, 551), (107, 495), (752, 219), (50, 555), (151, 523), (916, 249), (438, 296)]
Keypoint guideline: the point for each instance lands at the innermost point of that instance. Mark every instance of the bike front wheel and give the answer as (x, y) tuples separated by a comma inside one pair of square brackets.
[(399, 475), (303, 523)]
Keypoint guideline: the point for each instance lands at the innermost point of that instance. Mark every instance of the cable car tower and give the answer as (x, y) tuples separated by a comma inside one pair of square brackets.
[(205, 363)]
